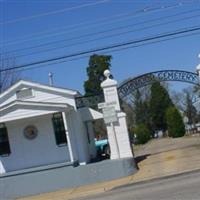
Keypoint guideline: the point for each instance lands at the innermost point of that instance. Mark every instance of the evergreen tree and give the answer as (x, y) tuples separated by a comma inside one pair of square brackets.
[(97, 65), (142, 133), (127, 108), (138, 107), (159, 103), (141, 109), (175, 125)]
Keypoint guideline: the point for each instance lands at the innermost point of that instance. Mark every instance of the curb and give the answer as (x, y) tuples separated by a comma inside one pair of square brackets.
[(155, 179), (98, 191), (102, 190)]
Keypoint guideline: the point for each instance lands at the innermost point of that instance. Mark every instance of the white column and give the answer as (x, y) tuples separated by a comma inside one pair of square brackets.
[(2, 169), (92, 147), (117, 132), (68, 138)]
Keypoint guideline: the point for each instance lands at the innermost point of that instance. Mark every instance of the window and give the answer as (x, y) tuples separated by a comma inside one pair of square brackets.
[(24, 93), (4, 142), (59, 129)]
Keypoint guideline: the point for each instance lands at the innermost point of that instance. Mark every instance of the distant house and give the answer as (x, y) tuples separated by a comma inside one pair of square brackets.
[(40, 125)]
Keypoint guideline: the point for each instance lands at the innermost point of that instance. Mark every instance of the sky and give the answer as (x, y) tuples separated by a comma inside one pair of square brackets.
[(36, 30)]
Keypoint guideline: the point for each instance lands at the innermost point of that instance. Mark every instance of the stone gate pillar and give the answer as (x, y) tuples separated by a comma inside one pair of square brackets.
[(117, 131)]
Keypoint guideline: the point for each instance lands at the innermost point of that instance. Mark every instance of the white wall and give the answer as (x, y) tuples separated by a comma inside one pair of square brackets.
[(29, 153), (23, 113), (40, 95), (92, 147), (45, 96), (80, 136)]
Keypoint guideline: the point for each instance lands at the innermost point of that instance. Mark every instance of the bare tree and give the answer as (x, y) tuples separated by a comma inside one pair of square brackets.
[(178, 99), (7, 77), (184, 98), (186, 102), (145, 93)]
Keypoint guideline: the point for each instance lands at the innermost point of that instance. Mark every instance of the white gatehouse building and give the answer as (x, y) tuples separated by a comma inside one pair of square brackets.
[(40, 125), (47, 142)]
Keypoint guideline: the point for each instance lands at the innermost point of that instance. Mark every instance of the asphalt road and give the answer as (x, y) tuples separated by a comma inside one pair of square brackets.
[(183, 187)]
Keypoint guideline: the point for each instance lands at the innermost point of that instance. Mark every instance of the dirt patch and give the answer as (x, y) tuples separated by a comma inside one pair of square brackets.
[(170, 158), (156, 146)]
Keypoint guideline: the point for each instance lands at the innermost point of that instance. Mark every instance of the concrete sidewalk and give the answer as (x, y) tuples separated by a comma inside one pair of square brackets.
[(152, 166)]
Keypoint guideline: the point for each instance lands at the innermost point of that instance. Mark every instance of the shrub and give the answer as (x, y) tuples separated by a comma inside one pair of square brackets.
[(142, 133), (175, 125)]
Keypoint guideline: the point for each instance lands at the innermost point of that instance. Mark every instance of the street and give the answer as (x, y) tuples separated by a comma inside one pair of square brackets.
[(158, 158), (183, 187)]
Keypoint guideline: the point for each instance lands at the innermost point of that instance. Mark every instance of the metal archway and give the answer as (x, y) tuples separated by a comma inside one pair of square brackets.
[(131, 84)]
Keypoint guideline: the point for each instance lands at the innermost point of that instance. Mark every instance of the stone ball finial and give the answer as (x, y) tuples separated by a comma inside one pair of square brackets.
[(107, 73)]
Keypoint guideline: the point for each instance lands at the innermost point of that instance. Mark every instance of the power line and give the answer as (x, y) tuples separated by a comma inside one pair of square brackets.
[(84, 25), (106, 31), (118, 45), (71, 27), (109, 51), (154, 42), (53, 12), (103, 21), (105, 37)]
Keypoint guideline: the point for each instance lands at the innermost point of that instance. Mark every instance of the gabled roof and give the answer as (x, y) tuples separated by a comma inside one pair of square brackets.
[(39, 85), (26, 109), (33, 103)]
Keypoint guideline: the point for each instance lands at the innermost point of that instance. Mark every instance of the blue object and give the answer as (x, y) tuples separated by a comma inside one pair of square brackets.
[(102, 146), (101, 143)]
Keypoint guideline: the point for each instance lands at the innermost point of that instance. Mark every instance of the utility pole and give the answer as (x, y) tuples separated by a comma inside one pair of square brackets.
[(50, 79)]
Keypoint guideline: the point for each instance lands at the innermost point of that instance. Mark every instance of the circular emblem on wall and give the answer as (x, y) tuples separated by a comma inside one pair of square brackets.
[(30, 132)]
